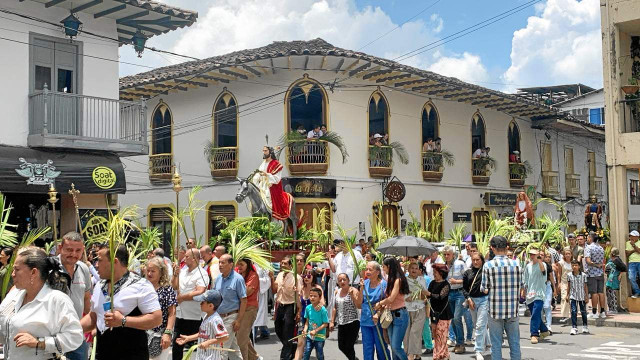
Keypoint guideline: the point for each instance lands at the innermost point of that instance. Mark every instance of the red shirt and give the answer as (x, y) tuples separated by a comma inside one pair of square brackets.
[(253, 281)]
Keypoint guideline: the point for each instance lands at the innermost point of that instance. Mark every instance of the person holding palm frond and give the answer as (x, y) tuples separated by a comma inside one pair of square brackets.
[(287, 307), (252, 284)]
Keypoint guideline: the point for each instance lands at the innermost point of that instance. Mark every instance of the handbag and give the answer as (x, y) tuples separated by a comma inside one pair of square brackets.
[(154, 340), (386, 318)]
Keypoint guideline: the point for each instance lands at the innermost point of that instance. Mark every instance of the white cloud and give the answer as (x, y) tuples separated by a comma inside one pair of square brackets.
[(467, 67), (561, 45), (438, 23)]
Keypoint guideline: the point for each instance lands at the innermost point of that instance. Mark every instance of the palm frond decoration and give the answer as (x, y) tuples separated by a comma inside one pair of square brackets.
[(148, 240), (27, 240), (320, 232), (350, 242), (448, 157), (433, 225), (552, 232), (248, 248), (49, 246), (314, 257), (456, 235), (400, 151), (336, 140), (210, 150), (486, 161), (191, 211), (8, 237), (296, 143), (414, 228), (177, 223), (560, 207), (119, 227)]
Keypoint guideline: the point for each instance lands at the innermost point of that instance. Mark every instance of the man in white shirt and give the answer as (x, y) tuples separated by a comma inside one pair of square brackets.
[(121, 333), (315, 133), (191, 281), (343, 262), (478, 153), (71, 249), (433, 259)]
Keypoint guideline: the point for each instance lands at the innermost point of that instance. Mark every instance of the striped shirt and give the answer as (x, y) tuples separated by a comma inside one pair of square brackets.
[(576, 282), (502, 277), (210, 328)]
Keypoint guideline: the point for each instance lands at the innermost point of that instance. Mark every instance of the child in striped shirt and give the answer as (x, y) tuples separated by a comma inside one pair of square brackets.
[(577, 283), (212, 330)]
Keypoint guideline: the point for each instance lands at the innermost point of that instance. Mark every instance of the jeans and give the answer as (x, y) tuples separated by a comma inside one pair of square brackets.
[(285, 324), (511, 327), (574, 313), (397, 330), (371, 343), (81, 353), (537, 325), (634, 271), (314, 344), (480, 314), (548, 295), (456, 298), (468, 320)]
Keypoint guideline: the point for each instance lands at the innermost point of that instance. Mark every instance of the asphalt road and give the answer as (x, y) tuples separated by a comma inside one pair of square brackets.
[(604, 343)]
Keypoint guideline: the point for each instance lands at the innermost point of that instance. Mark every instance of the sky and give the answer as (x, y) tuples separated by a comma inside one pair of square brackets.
[(547, 42)]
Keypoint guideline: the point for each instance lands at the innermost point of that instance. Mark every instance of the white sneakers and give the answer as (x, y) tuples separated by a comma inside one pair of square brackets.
[(564, 320), (469, 342), (603, 315), (592, 316), (479, 356), (574, 331), (450, 343)]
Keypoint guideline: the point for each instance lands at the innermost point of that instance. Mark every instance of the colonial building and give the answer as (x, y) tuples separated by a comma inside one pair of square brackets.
[(233, 101), (62, 120)]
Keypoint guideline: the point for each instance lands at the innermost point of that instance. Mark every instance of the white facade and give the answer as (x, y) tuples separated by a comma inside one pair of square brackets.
[(588, 107)]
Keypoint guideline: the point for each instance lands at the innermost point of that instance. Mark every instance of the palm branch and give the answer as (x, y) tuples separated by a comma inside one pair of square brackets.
[(8, 237), (176, 224), (448, 157), (414, 228), (210, 150), (401, 152), (248, 248), (350, 242), (333, 138), (456, 235), (119, 227), (192, 209), (149, 239), (27, 240)]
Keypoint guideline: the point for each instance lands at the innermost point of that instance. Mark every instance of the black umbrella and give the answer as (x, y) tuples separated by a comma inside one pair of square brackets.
[(407, 246)]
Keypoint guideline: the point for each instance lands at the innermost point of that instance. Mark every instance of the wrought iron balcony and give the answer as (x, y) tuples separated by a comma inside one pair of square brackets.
[(432, 166), (550, 185), (595, 186), (308, 158), (380, 161), (161, 167), (224, 162), (572, 185), (72, 121), (480, 173), (517, 174)]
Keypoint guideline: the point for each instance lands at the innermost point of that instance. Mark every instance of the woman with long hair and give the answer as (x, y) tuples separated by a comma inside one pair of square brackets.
[(441, 313), (415, 307), (36, 320), (397, 288), (158, 276), (308, 283), (252, 283), (372, 291), (477, 302), (565, 269), (346, 306)]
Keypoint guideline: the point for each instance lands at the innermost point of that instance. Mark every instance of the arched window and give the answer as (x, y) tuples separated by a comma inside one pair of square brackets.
[(430, 122), (477, 132), (378, 114), (307, 105), (514, 142), (161, 129), (225, 121)]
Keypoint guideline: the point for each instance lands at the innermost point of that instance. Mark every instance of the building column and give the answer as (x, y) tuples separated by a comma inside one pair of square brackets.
[(619, 218)]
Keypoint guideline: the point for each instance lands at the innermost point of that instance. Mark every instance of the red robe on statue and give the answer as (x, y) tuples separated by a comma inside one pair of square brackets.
[(280, 200)]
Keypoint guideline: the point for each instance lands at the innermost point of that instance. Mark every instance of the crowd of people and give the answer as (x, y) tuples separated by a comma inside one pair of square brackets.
[(403, 308)]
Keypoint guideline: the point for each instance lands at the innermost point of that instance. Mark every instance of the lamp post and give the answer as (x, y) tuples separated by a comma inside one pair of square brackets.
[(176, 179), (139, 39), (53, 199), (71, 26)]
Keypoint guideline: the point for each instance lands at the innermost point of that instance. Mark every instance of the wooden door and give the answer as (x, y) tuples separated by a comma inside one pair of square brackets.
[(311, 215), (389, 216), (480, 221), (546, 156), (568, 161), (429, 212)]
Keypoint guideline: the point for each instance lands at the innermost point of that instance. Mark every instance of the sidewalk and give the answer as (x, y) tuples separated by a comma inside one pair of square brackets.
[(631, 320)]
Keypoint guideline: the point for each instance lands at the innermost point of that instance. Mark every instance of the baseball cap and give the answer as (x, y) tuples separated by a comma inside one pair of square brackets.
[(634, 233), (375, 136), (531, 251), (211, 296)]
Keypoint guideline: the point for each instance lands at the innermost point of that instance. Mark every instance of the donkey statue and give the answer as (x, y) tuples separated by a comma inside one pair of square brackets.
[(257, 207)]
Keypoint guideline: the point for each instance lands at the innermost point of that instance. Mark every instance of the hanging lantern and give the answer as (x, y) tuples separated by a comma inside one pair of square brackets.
[(138, 40), (71, 26)]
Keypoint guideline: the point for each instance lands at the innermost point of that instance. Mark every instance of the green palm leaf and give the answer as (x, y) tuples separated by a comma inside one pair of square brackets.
[(27, 240), (249, 248), (401, 152), (333, 138), (448, 157), (8, 237)]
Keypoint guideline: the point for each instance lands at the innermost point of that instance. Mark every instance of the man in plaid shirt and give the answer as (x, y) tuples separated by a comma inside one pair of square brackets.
[(502, 280)]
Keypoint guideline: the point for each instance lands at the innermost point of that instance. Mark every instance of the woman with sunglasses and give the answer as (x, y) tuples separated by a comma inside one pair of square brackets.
[(308, 283), (346, 306)]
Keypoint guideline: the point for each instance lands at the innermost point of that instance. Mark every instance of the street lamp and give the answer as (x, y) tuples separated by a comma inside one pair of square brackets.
[(71, 26), (334, 207), (53, 199), (138, 40), (176, 179)]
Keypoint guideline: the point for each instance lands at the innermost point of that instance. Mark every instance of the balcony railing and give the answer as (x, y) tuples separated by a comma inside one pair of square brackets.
[(380, 161), (310, 157), (480, 172), (572, 185), (432, 166), (517, 174), (550, 185), (595, 186), (160, 167), (62, 120), (224, 162)]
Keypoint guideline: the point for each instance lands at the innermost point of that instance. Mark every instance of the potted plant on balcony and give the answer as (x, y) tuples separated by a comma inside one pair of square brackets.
[(221, 160), (486, 161), (521, 170), (385, 152), (296, 143), (632, 87), (439, 158)]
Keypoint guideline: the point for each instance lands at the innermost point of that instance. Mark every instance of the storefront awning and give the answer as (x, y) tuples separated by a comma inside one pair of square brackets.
[(27, 170)]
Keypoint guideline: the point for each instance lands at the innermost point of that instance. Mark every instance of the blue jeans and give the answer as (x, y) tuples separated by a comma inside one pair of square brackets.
[(634, 270), (574, 313), (511, 327), (371, 343), (397, 330), (548, 295), (468, 319), (481, 314), (537, 325), (313, 344), (81, 353), (456, 298)]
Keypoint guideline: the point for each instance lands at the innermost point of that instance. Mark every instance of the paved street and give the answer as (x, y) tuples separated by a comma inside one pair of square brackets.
[(604, 343)]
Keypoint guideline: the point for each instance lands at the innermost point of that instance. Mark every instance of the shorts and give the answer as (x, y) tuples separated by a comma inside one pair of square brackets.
[(595, 285)]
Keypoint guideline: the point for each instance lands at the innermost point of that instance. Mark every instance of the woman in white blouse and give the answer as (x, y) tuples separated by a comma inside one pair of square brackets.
[(36, 321)]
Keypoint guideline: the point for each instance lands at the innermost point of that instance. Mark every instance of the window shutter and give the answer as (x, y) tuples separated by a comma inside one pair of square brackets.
[(594, 116), (546, 156), (226, 211), (592, 163), (568, 161), (160, 214)]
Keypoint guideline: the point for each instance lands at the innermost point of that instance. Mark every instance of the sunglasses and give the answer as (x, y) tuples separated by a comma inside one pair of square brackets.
[(308, 276)]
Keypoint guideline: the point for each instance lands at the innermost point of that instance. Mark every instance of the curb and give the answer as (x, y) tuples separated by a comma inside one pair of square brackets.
[(608, 322)]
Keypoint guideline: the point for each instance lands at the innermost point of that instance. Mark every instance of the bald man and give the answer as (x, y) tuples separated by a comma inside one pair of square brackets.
[(206, 262)]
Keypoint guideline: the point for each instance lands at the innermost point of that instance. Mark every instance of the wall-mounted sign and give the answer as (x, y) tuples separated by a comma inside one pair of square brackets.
[(461, 217), (499, 199), (310, 187), (103, 177), (395, 191), (94, 224)]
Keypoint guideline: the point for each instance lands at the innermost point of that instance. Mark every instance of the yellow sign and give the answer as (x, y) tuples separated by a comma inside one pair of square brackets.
[(96, 228), (103, 177)]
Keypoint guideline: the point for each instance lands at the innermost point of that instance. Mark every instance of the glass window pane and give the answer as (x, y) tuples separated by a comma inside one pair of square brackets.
[(65, 81), (43, 76), (306, 109)]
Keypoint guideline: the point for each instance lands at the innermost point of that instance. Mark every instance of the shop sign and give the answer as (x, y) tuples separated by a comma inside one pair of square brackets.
[(499, 199), (310, 187), (94, 224), (38, 174), (104, 177), (461, 217)]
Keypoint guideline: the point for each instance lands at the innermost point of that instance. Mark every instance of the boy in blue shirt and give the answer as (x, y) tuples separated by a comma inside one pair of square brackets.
[(317, 320)]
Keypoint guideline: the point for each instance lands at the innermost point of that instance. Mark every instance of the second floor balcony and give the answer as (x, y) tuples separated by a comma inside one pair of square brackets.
[(224, 162), (595, 186), (572, 185), (550, 184), (310, 157), (161, 167), (480, 173), (432, 166), (380, 161), (517, 174), (72, 121)]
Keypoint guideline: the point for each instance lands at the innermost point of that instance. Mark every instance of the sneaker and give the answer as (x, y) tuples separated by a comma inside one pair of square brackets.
[(603, 315), (450, 343), (459, 349), (574, 331), (585, 329), (479, 356), (564, 320), (534, 339), (635, 296), (544, 334), (469, 342), (592, 316)]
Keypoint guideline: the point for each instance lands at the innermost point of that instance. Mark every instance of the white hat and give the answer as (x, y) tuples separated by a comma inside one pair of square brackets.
[(634, 233), (377, 136)]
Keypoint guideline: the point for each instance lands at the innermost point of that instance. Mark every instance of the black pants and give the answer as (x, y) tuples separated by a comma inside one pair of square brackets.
[(347, 336), (285, 325), (183, 327)]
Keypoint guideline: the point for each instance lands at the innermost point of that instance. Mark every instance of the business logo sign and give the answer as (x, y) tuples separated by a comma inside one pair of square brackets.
[(96, 229), (38, 174), (103, 177)]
